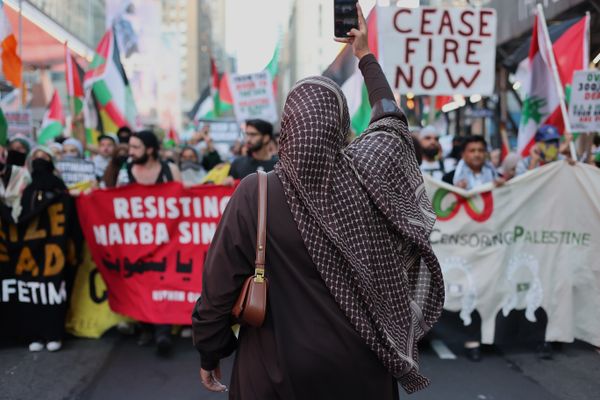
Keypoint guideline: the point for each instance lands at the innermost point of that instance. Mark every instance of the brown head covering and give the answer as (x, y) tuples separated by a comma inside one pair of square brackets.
[(365, 218)]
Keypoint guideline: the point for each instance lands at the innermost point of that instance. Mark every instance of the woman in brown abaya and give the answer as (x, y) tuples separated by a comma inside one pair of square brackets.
[(353, 282)]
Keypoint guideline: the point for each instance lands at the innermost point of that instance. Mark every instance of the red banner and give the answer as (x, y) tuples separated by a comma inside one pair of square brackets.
[(149, 243)]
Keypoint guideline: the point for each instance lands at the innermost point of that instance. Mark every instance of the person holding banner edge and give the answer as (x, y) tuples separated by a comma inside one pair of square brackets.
[(146, 168), (328, 202)]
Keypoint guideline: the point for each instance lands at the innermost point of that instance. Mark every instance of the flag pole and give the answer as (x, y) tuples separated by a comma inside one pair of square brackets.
[(557, 82), (22, 88)]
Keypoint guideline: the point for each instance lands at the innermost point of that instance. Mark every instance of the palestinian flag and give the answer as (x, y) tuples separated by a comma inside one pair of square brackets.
[(53, 122), (204, 107), (3, 129), (74, 75), (542, 105), (223, 98), (273, 67), (344, 71), (108, 82)]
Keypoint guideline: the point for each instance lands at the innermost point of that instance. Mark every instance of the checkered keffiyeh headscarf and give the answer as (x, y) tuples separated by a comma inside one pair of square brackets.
[(362, 211)]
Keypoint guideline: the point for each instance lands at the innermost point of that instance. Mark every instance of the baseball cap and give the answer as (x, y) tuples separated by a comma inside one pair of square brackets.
[(547, 133)]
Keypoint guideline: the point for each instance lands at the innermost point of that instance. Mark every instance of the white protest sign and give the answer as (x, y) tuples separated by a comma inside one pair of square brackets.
[(253, 96), (438, 51), (19, 122), (584, 104)]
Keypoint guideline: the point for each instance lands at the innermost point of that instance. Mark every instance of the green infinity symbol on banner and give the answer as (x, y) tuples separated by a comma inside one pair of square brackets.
[(470, 206)]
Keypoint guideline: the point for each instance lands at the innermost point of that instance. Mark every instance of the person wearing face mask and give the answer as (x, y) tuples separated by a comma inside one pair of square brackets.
[(18, 149), (190, 166), (545, 150), (42, 328), (13, 180)]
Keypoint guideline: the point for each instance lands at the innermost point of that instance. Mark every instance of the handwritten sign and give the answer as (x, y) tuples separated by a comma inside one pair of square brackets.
[(149, 244), (584, 105), (438, 51), (253, 96)]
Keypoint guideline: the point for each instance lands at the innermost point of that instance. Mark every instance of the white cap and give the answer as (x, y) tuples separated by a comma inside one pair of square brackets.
[(429, 130)]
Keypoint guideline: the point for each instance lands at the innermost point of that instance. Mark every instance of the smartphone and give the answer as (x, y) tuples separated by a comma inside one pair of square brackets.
[(345, 17)]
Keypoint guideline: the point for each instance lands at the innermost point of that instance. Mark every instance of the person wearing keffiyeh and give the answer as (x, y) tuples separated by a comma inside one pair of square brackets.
[(353, 281)]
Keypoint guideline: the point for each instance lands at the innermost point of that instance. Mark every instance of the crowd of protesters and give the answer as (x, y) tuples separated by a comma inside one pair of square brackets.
[(31, 174), (469, 164)]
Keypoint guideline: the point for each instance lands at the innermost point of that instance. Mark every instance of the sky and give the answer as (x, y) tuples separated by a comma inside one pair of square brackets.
[(253, 28)]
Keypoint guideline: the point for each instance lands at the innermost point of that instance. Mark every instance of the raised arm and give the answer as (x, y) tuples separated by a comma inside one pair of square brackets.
[(381, 97)]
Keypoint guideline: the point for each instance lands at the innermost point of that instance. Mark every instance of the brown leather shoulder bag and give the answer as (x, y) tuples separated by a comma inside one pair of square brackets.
[(251, 305)]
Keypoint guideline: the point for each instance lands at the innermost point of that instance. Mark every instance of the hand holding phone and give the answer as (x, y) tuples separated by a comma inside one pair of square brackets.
[(357, 37), (345, 17)]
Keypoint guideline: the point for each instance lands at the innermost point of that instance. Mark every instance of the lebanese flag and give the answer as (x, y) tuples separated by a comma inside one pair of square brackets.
[(542, 104), (53, 122), (11, 63)]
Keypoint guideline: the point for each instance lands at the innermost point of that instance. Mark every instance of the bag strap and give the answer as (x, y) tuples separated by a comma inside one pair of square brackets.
[(261, 228)]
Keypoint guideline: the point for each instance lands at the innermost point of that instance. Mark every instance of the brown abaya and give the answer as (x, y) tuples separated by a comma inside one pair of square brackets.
[(306, 349)]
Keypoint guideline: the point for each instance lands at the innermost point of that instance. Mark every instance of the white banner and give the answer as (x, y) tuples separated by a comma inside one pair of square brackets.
[(438, 51), (584, 104), (253, 96), (530, 244)]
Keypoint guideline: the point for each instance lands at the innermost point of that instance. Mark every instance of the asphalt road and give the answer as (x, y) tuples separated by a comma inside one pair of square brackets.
[(116, 368)]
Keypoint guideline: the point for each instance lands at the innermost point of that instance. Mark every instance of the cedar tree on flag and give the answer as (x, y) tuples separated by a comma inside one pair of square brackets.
[(74, 74), (542, 105), (53, 122), (344, 71), (11, 63), (108, 82)]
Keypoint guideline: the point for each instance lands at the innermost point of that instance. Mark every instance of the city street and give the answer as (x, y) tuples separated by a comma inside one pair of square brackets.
[(116, 368)]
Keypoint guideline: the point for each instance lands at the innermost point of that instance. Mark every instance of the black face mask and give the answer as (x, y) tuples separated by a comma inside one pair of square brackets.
[(16, 158), (39, 165), (186, 165), (430, 152)]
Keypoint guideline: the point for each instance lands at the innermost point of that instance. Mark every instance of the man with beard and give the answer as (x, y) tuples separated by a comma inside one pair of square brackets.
[(431, 164), (145, 166), (258, 134)]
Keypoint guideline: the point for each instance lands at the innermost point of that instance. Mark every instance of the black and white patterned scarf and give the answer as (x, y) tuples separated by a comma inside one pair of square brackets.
[(362, 211)]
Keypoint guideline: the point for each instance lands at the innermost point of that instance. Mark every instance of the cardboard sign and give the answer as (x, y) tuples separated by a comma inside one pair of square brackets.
[(584, 105), (149, 244), (253, 96), (438, 51)]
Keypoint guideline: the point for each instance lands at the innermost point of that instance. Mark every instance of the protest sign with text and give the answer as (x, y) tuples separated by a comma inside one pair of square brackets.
[(438, 51), (584, 104), (19, 122), (149, 243), (38, 257), (253, 96), (508, 251)]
